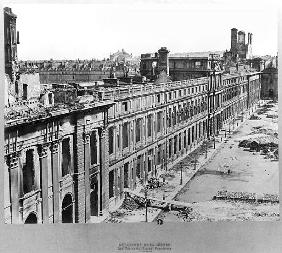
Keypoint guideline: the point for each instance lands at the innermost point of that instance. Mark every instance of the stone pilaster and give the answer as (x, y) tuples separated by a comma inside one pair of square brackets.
[(13, 164), (79, 184), (42, 151), (55, 179), (86, 175), (104, 171)]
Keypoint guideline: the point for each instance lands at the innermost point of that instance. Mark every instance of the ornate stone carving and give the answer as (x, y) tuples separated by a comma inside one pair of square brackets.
[(43, 150), (86, 137), (54, 147), (12, 159)]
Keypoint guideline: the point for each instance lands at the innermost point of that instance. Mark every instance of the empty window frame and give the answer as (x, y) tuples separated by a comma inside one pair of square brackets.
[(28, 172), (93, 148), (66, 157)]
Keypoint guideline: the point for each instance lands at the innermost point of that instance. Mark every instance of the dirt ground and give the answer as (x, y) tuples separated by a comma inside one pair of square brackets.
[(219, 210)]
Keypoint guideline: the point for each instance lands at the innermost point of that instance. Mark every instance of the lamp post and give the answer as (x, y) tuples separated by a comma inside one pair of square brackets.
[(181, 176), (206, 148), (145, 187), (146, 203), (195, 162)]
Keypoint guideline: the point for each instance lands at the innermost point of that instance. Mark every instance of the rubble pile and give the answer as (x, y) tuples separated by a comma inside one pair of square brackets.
[(272, 116), (246, 196), (25, 112), (129, 204), (254, 117), (235, 195), (274, 198), (266, 214), (265, 108), (28, 112), (168, 174), (259, 141)]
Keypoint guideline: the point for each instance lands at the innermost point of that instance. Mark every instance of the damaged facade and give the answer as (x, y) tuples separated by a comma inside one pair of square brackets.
[(71, 149), (152, 127)]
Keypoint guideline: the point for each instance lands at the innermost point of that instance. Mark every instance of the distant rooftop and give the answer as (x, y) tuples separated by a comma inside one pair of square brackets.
[(196, 54)]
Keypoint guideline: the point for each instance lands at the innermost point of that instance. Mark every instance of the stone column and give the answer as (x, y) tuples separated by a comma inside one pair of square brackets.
[(42, 151), (55, 183), (104, 172), (86, 174), (21, 192), (13, 164)]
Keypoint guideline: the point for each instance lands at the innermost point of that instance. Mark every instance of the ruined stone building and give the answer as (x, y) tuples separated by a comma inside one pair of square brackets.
[(179, 66), (269, 80), (241, 49), (152, 127), (11, 39), (55, 149), (71, 151)]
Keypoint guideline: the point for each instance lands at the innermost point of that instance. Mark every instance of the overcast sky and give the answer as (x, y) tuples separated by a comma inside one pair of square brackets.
[(85, 31)]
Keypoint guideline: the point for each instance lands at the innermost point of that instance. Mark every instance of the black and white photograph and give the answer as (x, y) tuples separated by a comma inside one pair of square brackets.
[(150, 112)]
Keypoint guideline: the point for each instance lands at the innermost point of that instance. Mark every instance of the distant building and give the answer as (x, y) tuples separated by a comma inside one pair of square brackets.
[(269, 81), (239, 48), (121, 56), (11, 39), (18, 86), (179, 66)]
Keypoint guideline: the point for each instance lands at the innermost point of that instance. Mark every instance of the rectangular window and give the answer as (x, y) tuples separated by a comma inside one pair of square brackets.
[(125, 135), (159, 154), (184, 142), (149, 125), (118, 141), (111, 140), (124, 106), (93, 148), (138, 167), (175, 144), (24, 91), (111, 183), (65, 156), (159, 98), (125, 175), (138, 130), (28, 172), (179, 142), (150, 155), (159, 122), (189, 140)]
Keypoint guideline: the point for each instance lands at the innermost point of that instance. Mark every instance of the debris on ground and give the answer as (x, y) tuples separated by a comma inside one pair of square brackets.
[(246, 196), (129, 204), (254, 117)]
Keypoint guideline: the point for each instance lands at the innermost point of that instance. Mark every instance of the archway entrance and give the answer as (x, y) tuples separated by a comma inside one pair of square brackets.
[(67, 213), (94, 197), (31, 219)]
